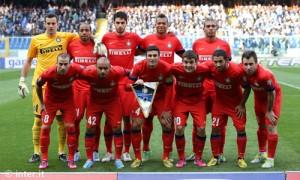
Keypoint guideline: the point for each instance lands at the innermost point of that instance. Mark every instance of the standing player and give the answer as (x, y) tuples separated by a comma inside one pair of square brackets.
[(45, 47), (229, 102), (81, 51), (189, 98), (267, 105), (58, 96), (153, 70), (104, 98), (204, 48), (168, 44), (121, 46)]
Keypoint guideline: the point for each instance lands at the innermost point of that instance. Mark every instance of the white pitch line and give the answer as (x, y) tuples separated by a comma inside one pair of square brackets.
[(289, 85)]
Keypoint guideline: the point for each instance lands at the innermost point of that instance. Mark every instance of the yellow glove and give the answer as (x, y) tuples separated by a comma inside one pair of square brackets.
[(23, 89)]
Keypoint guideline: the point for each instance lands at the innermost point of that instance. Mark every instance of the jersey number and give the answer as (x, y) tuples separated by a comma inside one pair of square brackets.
[(46, 119), (92, 120), (215, 121)]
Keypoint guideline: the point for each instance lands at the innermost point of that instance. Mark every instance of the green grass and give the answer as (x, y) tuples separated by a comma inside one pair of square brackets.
[(16, 144)]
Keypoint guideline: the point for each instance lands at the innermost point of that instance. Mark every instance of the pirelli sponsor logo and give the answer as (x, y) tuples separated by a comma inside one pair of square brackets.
[(51, 49), (166, 53), (223, 86), (189, 85), (257, 88), (204, 58), (61, 86), (85, 60), (102, 90), (120, 52)]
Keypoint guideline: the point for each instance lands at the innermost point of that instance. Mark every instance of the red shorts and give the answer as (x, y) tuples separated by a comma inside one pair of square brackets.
[(67, 109), (260, 108), (111, 108), (159, 106), (80, 101), (197, 111), (209, 94), (220, 117), (127, 100)]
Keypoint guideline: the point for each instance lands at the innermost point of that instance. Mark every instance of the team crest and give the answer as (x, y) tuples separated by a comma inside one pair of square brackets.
[(160, 77), (58, 39), (169, 45), (227, 80), (112, 83), (199, 78), (128, 43)]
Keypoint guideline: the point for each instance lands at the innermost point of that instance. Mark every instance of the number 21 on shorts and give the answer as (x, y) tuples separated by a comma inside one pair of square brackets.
[(215, 121)]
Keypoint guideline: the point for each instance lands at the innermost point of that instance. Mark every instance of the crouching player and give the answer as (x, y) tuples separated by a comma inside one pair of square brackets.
[(58, 96), (104, 98), (267, 105), (154, 70), (189, 99)]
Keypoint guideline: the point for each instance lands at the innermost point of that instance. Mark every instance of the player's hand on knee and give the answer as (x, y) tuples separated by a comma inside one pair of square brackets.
[(240, 111), (272, 117), (22, 88)]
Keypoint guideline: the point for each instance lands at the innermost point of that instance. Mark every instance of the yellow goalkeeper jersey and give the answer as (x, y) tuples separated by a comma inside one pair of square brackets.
[(46, 49)]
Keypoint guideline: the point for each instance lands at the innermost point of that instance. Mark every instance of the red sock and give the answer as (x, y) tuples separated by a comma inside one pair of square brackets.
[(136, 138), (167, 137), (200, 143), (215, 144), (262, 135), (77, 131), (71, 140), (44, 142), (97, 138), (241, 143), (108, 136), (180, 144), (89, 144), (127, 136), (147, 130), (272, 144), (223, 137), (118, 140)]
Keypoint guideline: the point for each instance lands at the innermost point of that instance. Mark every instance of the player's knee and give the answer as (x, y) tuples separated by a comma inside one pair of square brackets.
[(69, 125), (90, 130), (179, 130), (59, 118), (117, 129), (272, 129), (126, 119), (136, 123), (215, 131), (200, 131), (46, 126)]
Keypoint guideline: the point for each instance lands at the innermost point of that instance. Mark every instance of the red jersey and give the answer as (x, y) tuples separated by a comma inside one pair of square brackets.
[(189, 86), (167, 45), (121, 48), (261, 82), (227, 85), (205, 48), (103, 89), (161, 73), (59, 87), (82, 53)]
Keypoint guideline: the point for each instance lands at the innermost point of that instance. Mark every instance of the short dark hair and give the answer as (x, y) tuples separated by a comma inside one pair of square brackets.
[(121, 15), (64, 56), (162, 16), (190, 54), (152, 48), (84, 23), (51, 15), (220, 52), (211, 20), (248, 54)]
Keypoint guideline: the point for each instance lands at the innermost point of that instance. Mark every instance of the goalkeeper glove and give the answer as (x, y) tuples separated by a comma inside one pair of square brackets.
[(100, 48), (23, 89)]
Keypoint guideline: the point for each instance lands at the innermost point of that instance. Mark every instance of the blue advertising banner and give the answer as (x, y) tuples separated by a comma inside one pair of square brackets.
[(204, 176)]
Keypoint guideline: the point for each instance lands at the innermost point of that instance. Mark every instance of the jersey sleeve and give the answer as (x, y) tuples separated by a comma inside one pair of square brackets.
[(179, 48), (134, 74), (268, 83), (32, 50), (71, 36)]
